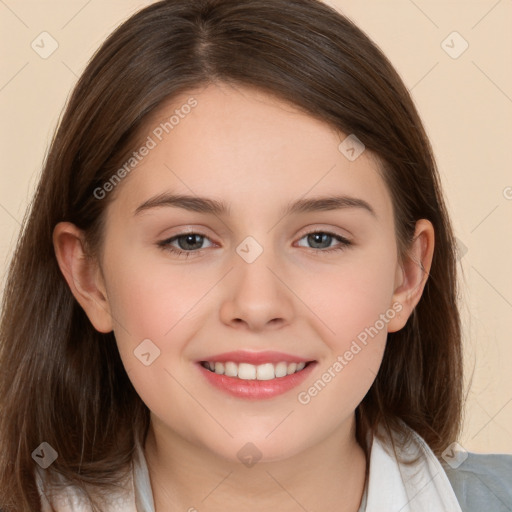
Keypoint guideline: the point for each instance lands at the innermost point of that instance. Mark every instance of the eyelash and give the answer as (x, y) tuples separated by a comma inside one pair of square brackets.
[(165, 244)]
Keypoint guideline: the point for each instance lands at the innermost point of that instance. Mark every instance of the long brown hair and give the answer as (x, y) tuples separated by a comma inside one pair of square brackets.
[(61, 381)]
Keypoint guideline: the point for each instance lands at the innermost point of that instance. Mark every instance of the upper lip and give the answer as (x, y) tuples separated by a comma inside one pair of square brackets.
[(255, 358)]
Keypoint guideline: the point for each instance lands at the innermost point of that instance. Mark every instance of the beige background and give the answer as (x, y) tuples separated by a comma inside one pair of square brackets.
[(465, 102)]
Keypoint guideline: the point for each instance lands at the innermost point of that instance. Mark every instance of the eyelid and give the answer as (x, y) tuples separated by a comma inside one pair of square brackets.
[(327, 231)]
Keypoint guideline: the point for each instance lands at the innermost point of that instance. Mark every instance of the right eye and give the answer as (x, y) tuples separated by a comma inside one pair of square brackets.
[(188, 243)]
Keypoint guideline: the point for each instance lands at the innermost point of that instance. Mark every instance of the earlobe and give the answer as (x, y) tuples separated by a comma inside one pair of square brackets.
[(413, 273), (83, 275)]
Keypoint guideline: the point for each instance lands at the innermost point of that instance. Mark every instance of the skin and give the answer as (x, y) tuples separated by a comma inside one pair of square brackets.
[(257, 154)]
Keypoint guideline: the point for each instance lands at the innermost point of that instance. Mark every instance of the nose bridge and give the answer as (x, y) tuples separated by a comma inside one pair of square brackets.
[(252, 269), (257, 296)]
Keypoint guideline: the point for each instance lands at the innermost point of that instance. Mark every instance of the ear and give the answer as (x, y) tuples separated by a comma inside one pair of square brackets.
[(83, 275), (412, 274)]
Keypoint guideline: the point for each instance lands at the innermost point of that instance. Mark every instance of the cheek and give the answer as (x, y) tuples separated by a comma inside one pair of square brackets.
[(352, 296), (156, 302), (148, 300), (354, 307)]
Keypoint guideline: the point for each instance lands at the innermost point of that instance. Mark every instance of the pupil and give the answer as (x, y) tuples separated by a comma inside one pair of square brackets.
[(316, 238), (189, 240)]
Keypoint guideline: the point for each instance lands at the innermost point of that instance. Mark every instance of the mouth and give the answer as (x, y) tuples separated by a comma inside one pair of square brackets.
[(255, 376)]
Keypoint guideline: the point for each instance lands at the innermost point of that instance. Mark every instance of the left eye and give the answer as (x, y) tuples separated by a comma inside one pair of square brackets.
[(319, 238)]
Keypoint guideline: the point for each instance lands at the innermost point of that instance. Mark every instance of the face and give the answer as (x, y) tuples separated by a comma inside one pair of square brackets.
[(273, 279)]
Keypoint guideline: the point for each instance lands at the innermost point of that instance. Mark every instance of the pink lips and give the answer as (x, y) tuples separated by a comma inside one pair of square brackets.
[(256, 389)]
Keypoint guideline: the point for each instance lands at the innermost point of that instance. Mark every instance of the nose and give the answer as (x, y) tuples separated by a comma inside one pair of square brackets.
[(256, 296)]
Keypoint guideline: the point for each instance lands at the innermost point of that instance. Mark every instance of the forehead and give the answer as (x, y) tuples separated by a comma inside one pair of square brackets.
[(239, 144)]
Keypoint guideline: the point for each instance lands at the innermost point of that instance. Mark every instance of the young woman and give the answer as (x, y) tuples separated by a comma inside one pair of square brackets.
[(236, 287)]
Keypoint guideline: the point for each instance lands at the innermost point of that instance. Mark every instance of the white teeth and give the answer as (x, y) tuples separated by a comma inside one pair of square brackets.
[(292, 367), (281, 370), (265, 372), (231, 369), (246, 371)]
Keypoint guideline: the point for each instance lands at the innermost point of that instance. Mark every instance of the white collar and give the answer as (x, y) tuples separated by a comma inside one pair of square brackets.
[(396, 487)]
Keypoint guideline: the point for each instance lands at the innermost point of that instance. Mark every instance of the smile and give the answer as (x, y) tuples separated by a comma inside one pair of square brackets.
[(255, 375), (247, 371)]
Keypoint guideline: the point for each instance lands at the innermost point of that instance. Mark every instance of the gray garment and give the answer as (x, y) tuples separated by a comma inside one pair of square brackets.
[(482, 483)]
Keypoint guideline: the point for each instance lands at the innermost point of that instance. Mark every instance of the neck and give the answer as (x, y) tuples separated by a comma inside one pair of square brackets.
[(185, 476)]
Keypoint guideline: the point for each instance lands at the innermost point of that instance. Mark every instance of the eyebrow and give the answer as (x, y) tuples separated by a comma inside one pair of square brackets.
[(214, 207)]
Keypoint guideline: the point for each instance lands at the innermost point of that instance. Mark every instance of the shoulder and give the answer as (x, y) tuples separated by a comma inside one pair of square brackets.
[(482, 481)]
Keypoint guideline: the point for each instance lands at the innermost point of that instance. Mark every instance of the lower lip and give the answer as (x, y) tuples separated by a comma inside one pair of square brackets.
[(256, 389)]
